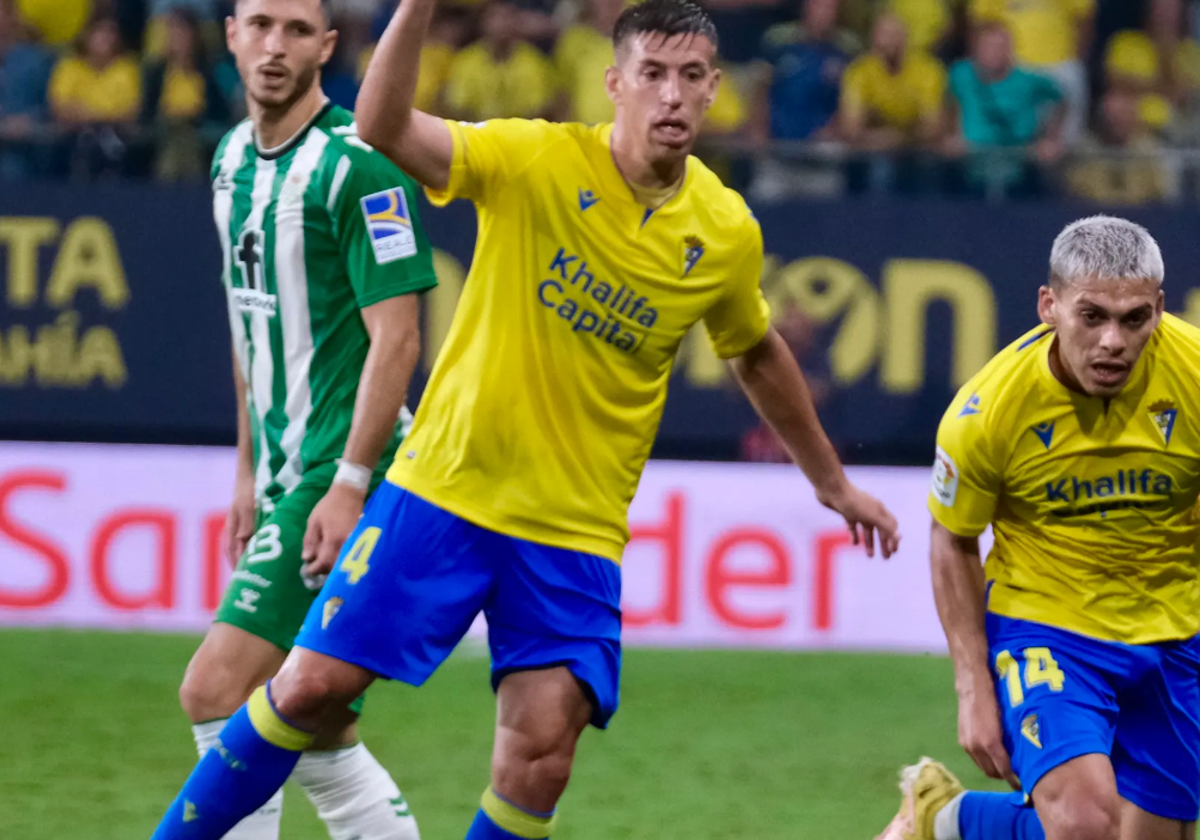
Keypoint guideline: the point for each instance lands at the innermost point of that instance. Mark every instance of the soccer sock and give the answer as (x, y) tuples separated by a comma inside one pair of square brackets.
[(255, 753), (355, 796), (996, 816), (263, 824), (499, 819)]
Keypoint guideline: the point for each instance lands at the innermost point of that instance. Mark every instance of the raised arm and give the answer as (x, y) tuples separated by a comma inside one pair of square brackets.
[(958, 591), (771, 379), (417, 142)]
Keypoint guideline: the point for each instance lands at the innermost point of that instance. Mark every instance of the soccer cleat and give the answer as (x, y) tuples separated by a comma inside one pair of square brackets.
[(926, 788)]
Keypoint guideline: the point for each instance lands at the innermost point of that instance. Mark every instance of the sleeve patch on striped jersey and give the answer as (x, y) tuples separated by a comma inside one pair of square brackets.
[(389, 225)]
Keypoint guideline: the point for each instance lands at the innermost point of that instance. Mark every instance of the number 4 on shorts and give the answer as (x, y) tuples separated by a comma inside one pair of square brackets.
[(355, 563)]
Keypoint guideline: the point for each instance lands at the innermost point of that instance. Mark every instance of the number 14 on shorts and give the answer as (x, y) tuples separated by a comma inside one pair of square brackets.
[(1040, 669)]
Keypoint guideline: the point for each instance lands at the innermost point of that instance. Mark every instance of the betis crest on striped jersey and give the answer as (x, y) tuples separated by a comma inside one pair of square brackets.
[(1163, 413)]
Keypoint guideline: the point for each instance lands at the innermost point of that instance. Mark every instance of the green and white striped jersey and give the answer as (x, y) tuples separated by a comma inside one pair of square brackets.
[(311, 232)]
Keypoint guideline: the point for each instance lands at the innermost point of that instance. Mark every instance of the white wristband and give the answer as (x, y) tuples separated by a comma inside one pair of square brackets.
[(355, 475)]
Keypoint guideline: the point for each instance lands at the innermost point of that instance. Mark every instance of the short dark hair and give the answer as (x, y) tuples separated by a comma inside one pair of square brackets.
[(664, 17), (326, 7)]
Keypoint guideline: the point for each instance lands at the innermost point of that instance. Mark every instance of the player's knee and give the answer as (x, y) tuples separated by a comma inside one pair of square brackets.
[(311, 695), (1085, 815), (534, 770), (210, 693)]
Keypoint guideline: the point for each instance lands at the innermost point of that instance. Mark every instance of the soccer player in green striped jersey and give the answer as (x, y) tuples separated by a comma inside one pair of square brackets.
[(323, 260)]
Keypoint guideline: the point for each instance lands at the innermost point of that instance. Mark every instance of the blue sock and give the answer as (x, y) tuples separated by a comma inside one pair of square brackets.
[(499, 819), (256, 752), (997, 816)]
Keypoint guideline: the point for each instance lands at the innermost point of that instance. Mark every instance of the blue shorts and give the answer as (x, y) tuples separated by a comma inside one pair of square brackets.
[(412, 577), (1063, 695)]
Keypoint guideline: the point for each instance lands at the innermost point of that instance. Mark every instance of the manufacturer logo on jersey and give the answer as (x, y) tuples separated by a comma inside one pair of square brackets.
[(389, 225), (1032, 731), (971, 407), (1045, 433), (189, 811), (330, 610), (693, 250), (587, 199), (253, 296), (945, 478), (1163, 413), (223, 182)]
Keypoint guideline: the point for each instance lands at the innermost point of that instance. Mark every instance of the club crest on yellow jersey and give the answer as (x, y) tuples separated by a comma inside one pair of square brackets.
[(693, 250), (1163, 413)]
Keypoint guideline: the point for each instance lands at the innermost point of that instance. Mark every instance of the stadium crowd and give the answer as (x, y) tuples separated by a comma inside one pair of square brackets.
[(1095, 98)]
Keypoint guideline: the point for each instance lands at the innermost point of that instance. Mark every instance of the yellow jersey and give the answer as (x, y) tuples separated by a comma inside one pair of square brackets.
[(1092, 502), (899, 100), (546, 396), (1044, 31)]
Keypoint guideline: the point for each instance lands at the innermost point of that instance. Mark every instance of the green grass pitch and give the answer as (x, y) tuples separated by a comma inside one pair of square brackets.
[(707, 745)]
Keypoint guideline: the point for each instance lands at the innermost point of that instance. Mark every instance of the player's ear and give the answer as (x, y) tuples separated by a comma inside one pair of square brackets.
[(328, 43), (230, 31), (714, 83), (1159, 304), (1046, 306), (612, 83)]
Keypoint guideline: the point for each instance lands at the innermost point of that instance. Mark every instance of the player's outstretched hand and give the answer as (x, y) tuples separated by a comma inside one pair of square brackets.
[(865, 517), (239, 524), (979, 733), (329, 525)]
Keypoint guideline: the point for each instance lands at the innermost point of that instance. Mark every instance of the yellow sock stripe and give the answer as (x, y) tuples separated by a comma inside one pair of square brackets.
[(515, 821), (271, 727)]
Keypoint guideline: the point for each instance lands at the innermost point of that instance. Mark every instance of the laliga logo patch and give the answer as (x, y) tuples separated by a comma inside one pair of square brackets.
[(945, 478), (390, 225), (331, 609), (1163, 413)]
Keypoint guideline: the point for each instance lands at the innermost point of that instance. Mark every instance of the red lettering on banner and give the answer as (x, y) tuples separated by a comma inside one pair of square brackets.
[(163, 595), (827, 548), (670, 534), (55, 557), (719, 580), (214, 560)]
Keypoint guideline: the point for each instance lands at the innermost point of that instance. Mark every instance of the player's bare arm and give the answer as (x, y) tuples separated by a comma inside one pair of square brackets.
[(772, 380), (395, 346), (958, 585), (239, 526), (417, 142)]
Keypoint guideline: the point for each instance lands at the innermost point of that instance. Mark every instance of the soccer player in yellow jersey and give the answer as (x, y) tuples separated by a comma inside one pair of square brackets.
[(1075, 652), (599, 248)]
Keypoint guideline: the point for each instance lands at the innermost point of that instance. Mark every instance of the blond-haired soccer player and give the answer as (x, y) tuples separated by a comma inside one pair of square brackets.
[(599, 248), (1075, 651)]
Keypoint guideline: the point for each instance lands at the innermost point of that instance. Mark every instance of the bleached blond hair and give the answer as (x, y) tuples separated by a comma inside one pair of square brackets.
[(1105, 248)]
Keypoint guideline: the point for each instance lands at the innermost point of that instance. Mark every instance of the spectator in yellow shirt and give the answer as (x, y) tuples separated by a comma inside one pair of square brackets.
[(500, 75), (1120, 165), (1051, 37), (447, 31), (584, 52), (92, 96), (1159, 65), (100, 84), (892, 97)]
